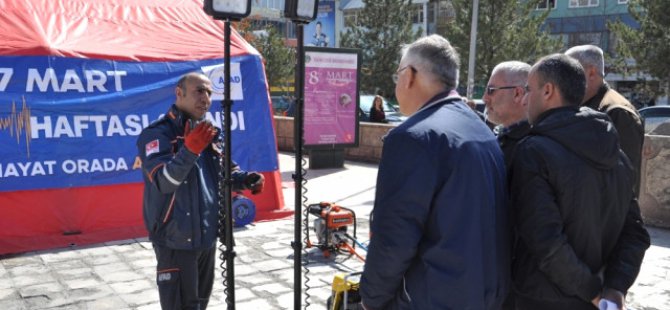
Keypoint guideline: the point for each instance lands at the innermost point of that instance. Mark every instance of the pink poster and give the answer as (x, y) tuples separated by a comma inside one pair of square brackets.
[(331, 97)]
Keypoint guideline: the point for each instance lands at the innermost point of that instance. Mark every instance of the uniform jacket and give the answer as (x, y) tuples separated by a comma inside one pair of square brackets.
[(576, 219), (627, 122), (181, 200), (439, 235)]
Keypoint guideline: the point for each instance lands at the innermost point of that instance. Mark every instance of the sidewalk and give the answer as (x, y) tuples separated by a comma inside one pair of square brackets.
[(121, 275)]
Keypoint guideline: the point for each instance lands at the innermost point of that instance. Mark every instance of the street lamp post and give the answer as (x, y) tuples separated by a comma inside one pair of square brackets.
[(473, 49), (300, 12), (227, 10)]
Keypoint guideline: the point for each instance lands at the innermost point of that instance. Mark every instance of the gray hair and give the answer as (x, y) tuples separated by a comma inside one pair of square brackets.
[(589, 55), (434, 55), (514, 72)]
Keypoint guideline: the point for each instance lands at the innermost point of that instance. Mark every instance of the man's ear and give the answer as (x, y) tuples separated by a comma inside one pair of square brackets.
[(411, 78), (549, 90), (519, 92), (178, 92), (591, 72)]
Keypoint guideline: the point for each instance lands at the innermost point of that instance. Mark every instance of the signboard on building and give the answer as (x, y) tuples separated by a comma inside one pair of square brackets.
[(321, 31)]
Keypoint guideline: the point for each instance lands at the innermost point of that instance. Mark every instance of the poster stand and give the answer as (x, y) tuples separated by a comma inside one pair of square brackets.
[(331, 104), (326, 158)]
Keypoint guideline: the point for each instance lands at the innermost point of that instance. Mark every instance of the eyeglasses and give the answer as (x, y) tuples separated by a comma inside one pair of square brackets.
[(395, 75), (491, 90)]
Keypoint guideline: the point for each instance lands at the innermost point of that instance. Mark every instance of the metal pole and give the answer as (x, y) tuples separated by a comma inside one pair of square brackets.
[(473, 48), (228, 203), (298, 177)]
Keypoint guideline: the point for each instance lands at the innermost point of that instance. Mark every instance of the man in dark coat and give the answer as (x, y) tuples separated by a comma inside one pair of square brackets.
[(580, 235), (504, 107), (439, 234), (181, 170), (600, 97)]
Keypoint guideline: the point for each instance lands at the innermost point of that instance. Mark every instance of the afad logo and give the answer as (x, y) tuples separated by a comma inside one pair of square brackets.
[(216, 75)]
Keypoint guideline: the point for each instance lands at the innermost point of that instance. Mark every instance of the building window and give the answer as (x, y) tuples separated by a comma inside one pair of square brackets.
[(285, 29), (546, 4), (271, 4), (417, 13), (276, 4), (583, 38), (431, 11), (583, 3), (350, 18)]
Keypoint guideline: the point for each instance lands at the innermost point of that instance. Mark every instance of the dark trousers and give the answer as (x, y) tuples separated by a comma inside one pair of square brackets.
[(184, 278)]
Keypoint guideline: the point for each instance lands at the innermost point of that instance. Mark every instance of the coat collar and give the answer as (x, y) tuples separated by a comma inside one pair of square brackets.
[(176, 117), (440, 98), (594, 102)]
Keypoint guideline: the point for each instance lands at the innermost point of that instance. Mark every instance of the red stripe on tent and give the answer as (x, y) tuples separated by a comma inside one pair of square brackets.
[(57, 218), (41, 219)]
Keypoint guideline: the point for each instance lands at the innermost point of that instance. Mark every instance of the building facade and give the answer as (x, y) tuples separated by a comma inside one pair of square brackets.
[(271, 12), (423, 16), (575, 22), (579, 22)]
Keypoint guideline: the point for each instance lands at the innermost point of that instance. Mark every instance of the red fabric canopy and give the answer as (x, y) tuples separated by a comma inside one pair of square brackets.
[(125, 30)]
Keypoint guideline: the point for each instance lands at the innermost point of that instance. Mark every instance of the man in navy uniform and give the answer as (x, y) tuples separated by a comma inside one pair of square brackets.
[(180, 156)]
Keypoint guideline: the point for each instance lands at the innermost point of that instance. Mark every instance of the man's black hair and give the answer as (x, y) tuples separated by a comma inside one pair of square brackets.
[(566, 73)]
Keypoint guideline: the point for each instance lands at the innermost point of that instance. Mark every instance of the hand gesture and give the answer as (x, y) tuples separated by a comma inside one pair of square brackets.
[(197, 139)]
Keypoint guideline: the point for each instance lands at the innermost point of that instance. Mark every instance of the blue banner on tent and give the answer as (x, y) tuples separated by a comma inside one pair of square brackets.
[(70, 122)]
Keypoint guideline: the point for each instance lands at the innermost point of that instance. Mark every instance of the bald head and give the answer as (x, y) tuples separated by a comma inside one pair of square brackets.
[(193, 93), (188, 77)]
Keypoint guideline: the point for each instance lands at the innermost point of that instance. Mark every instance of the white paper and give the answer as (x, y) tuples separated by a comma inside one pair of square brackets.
[(607, 305)]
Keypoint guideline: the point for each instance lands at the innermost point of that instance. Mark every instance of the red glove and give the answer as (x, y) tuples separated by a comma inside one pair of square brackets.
[(255, 182), (197, 139)]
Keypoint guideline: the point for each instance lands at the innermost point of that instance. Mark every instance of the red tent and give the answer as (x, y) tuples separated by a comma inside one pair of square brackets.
[(78, 81)]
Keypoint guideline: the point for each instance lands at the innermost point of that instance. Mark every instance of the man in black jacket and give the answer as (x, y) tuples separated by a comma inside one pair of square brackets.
[(600, 97), (503, 97), (580, 235)]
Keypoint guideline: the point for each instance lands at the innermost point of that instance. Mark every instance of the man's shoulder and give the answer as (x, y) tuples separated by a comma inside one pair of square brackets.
[(613, 100), (416, 130), (516, 130), (160, 126), (534, 145)]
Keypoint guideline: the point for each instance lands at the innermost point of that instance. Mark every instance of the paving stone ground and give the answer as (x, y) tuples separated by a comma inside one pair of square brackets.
[(121, 274)]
